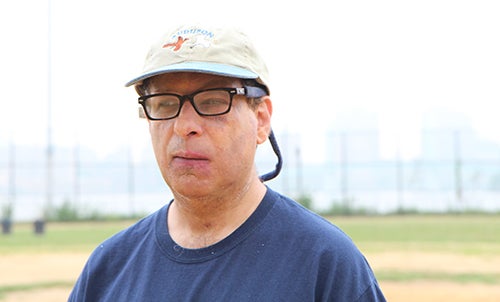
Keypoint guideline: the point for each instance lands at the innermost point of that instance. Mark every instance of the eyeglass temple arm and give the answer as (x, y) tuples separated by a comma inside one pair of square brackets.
[(279, 164)]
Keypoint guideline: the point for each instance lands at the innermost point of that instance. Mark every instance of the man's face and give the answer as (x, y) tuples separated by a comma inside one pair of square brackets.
[(203, 156)]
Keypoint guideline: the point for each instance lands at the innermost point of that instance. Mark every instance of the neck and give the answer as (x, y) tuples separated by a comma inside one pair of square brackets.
[(201, 222)]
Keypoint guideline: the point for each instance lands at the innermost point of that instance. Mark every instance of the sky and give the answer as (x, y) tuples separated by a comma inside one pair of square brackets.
[(327, 59)]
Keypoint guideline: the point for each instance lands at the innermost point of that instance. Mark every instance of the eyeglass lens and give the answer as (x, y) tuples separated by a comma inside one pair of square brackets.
[(212, 102)]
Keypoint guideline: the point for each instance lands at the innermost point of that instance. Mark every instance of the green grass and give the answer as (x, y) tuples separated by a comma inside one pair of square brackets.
[(4, 290), (460, 234), (59, 237), (462, 278), (474, 234)]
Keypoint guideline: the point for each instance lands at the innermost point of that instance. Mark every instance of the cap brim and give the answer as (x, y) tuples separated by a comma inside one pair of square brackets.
[(200, 67)]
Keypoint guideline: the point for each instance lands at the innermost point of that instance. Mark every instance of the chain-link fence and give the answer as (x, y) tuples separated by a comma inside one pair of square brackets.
[(450, 171)]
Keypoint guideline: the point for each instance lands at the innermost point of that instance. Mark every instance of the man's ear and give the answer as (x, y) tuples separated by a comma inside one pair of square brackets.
[(264, 112)]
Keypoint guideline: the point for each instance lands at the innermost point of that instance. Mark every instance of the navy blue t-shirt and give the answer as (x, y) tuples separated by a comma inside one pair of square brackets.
[(283, 252)]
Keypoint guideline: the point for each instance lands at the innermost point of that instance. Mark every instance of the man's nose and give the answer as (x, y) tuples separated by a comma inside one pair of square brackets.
[(188, 122)]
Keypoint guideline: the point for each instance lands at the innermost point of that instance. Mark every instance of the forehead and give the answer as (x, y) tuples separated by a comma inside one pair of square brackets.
[(189, 81)]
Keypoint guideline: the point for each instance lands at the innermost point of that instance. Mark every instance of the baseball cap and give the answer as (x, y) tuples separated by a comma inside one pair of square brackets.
[(223, 51)]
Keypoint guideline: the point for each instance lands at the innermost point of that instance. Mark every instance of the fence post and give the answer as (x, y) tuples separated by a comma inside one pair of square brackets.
[(344, 186), (399, 175), (300, 187), (131, 182), (458, 169)]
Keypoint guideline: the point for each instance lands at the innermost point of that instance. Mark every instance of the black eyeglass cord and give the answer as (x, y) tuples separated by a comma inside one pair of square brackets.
[(279, 164)]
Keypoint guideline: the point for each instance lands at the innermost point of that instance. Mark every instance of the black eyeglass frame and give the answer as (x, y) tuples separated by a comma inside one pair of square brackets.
[(248, 91)]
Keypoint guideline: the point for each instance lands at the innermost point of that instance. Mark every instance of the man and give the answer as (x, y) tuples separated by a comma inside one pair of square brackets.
[(225, 236)]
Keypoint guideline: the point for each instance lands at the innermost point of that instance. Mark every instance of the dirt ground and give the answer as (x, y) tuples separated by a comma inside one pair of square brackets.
[(38, 268)]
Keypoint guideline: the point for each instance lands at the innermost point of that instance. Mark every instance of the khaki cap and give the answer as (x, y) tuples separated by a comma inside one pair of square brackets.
[(219, 51)]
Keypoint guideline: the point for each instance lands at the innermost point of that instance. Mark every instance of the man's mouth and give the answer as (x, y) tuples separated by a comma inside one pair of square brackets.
[(189, 160), (190, 156)]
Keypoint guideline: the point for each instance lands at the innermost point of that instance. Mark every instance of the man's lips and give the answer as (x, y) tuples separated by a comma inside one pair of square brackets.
[(189, 160), (189, 156)]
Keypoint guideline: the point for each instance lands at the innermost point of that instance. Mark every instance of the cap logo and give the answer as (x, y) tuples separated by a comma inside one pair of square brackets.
[(177, 44), (194, 37)]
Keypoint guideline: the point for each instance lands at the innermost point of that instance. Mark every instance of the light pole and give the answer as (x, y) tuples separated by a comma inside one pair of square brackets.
[(50, 154)]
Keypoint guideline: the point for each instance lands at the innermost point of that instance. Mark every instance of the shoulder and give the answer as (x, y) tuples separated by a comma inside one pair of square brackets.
[(311, 234), (293, 216), (121, 244), (324, 250), (114, 255)]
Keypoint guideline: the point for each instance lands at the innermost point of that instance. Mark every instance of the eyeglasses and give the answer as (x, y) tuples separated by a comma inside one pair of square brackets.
[(207, 102)]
